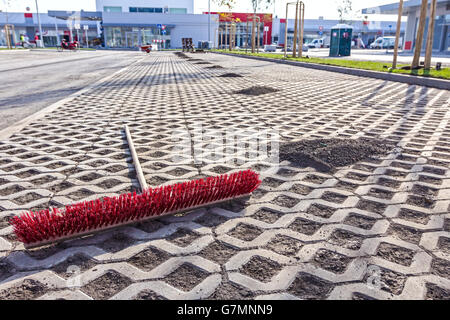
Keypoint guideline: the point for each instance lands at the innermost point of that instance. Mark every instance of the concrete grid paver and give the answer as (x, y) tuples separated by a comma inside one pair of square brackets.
[(79, 153)]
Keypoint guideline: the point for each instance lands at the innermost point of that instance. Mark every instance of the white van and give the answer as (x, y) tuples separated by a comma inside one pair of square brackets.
[(316, 43), (385, 43), (319, 43)]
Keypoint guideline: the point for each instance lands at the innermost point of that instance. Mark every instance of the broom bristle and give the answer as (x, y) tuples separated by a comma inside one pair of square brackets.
[(53, 224)]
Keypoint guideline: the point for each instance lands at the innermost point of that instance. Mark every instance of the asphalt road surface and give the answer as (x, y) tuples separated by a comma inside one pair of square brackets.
[(33, 80)]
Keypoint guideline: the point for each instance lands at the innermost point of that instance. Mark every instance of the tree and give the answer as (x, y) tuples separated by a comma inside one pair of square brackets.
[(345, 10), (225, 3), (257, 4)]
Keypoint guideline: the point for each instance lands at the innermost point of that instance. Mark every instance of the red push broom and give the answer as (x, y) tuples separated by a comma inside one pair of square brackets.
[(43, 227)]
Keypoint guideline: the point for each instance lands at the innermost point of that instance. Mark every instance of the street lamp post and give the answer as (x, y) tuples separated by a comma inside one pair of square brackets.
[(209, 23), (39, 23)]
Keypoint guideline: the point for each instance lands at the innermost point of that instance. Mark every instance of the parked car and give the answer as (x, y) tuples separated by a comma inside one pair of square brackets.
[(305, 48), (384, 43), (270, 48), (319, 43)]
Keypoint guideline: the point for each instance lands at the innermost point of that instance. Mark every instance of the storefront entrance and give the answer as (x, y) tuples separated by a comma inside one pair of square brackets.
[(132, 39)]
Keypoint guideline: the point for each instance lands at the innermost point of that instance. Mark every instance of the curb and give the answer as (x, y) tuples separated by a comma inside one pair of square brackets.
[(18, 126), (413, 80), (15, 50)]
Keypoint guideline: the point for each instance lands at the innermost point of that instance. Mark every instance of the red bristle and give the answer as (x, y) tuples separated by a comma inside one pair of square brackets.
[(35, 227)]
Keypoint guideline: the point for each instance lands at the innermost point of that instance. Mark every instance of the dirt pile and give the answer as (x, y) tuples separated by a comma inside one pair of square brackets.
[(256, 91), (328, 154), (230, 75)]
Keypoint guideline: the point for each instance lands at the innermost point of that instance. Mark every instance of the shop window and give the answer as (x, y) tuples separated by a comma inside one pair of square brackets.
[(178, 10), (146, 10), (112, 9)]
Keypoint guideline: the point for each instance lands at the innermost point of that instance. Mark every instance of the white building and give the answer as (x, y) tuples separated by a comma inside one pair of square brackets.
[(133, 29), (411, 9), (131, 23), (146, 6)]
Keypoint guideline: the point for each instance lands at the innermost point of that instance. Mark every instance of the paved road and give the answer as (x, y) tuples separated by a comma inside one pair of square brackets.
[(32, 80), (379, 228)]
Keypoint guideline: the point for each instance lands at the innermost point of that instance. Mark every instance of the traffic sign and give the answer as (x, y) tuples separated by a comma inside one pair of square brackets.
[(320, 28), (77, 26), (163, 27), (163, 31), (159, 26), (320, 33), (266, 28), (86, 27)]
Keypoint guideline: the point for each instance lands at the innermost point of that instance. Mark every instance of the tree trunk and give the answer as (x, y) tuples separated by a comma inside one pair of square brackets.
[(397, 34), (420, 32), (430, 35)]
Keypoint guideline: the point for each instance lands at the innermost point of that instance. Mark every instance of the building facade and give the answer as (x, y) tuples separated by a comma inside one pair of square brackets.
[(146, 6), (242, 28), (130, 30), (53, 29), (411, 9)]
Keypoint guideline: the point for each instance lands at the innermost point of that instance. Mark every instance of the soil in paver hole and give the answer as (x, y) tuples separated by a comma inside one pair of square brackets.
[(441, 268), (183, 237), (284, 245), (414, 216), (106, 286), (45, 252), (300, 189), (334, 197), (149, 295), (261, 268), (218, 252), (305, 226), (80, 194), (395, 254), (6, 271), (405, 233), (331, 261), (256, 91), (11, 190), (29, 289), (436, 293), (245, 232), (149, 259), (444, 244), (80, 261), (346, 239), (267, 215), (4, 222), (307, 286), (116, 243), (390, 281), (360, 221), (328, 154), (211, 220), (231, 291), (285, 201), (186, 277), (421, 201), (371, 206), (360, 296), (320, 210)]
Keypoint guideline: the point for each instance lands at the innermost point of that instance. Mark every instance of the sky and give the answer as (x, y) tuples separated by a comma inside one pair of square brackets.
[(313, 8)]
